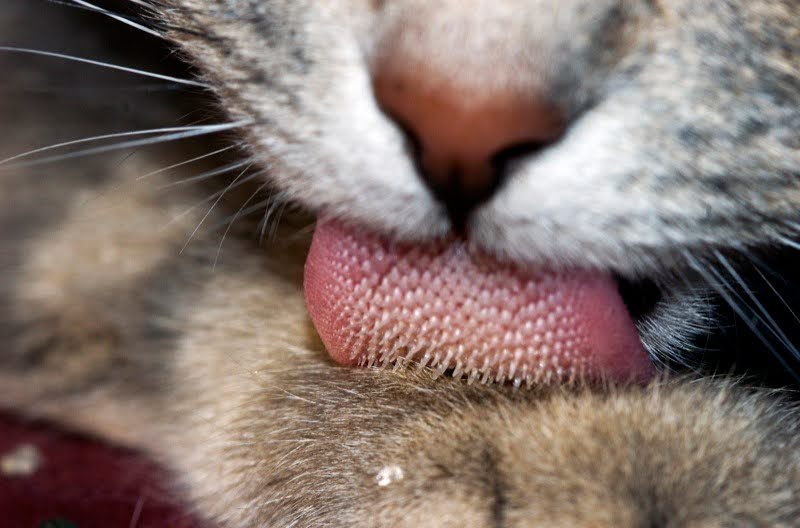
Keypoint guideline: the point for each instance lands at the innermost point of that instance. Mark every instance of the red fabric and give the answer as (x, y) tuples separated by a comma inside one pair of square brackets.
[(84, 481)]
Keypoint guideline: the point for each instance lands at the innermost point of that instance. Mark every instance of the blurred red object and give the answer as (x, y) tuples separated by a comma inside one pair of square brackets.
[(80, 482)]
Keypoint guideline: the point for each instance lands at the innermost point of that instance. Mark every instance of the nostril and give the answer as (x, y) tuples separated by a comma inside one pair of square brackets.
[(459, 187), (413, 143), (502, 159), (462, 139), (460, 200)]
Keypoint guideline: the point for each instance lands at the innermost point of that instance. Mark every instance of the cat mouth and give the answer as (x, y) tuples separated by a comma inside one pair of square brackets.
[(447, 307)]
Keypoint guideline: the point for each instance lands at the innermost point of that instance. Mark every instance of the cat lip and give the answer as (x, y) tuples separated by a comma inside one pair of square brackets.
[(444, 306)]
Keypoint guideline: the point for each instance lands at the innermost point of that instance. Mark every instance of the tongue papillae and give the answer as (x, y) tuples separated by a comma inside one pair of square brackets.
[(442, 306)]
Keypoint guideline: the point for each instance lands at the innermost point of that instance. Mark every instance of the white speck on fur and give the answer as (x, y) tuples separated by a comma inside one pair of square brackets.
[(389, 475)]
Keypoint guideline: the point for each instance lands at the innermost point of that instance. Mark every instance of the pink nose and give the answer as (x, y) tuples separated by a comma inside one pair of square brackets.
[(463, 133)]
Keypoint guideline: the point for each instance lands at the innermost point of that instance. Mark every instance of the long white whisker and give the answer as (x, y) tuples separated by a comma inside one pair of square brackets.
[(233, 221), (275, 201), (229, 187), (211, 198), (69, 4), (118, 18), (181, 164), (789, 242), (716, 281), (100, 138), (183, 133), (104, 65), (208, 174), (774, 326), (273, 230), (775, 291), (96, 88), (258, 206)]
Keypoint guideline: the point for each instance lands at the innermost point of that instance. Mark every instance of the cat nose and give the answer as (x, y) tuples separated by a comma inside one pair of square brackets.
[(463, 135)]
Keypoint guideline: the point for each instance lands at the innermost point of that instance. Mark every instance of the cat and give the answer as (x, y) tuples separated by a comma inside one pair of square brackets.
[(152, 297)]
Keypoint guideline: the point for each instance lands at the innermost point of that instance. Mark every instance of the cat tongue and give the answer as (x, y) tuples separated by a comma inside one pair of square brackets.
[(374, 302)]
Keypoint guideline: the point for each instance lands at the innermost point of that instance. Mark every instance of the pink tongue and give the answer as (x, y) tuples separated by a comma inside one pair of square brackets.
[(442, 306)]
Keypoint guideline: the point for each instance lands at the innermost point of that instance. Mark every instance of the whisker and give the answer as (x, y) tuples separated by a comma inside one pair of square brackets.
[(98, 138), (774, 327), (724, 284), (258, 206), (775, 291), (198, 158), (275, 201), (273, 231), (68, 3), (94, 89), (720, 285), (137, 512), (105, 65), (118, 18), (789, 242), (233, 221), (303, 231), (229, 187), (208, 174), (211, 198), (181, 133)]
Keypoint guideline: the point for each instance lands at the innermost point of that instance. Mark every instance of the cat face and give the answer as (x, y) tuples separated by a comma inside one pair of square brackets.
[(635, 137), (658, 134)]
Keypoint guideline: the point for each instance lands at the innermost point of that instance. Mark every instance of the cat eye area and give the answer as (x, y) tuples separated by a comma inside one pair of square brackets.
[(449, 308)]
